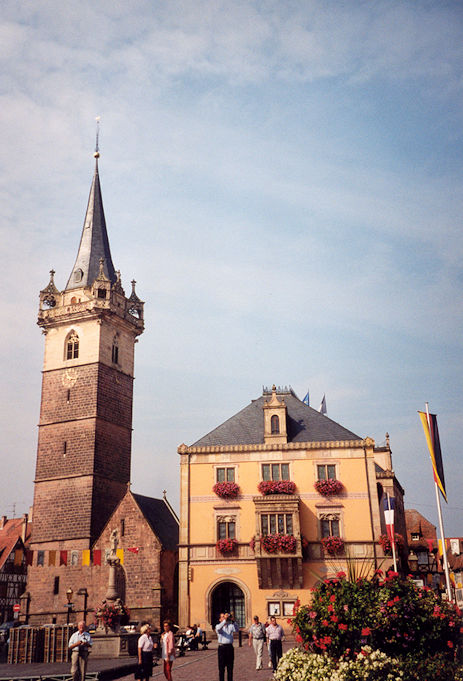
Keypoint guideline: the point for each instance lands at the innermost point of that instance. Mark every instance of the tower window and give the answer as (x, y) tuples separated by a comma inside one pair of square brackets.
[(101, 293), (275, 424), (72, 346), (68, 397), (115, 353), (56, 586), (122, 527)]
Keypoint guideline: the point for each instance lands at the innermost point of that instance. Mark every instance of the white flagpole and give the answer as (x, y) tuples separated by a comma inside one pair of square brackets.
[(441, 525), (392, 536)]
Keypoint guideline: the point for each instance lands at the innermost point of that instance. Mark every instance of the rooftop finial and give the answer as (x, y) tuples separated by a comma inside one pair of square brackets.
[(97, 148)]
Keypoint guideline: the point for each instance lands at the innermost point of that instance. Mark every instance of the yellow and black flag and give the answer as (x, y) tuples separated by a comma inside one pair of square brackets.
[(432, 438)]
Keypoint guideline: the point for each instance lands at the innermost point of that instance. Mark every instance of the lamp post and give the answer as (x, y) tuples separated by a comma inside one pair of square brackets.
[(83, 592), (69, 604)]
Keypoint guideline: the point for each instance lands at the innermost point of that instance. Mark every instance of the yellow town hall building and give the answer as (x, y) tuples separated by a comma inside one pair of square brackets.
[(272, 501)]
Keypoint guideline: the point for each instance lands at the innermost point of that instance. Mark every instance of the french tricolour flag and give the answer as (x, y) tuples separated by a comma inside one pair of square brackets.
[(389, 503)]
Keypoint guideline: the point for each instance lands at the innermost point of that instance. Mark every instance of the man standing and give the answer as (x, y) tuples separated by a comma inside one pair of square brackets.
[(275, 634), (226, 655), (79, 645), (257, 636)]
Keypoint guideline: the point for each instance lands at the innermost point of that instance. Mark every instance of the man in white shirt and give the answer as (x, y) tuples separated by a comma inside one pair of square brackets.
[(226, 655), (256, 638), (275, 635), (79, 645)]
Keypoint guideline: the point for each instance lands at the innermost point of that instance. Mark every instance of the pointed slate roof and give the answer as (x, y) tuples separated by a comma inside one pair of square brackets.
[(304, 424), (161, 519), (94, 242)]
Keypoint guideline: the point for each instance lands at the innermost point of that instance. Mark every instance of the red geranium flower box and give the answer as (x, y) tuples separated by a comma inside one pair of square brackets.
[(226, 490), (333, 545), (329, 487), (276, 487), (227, 546)]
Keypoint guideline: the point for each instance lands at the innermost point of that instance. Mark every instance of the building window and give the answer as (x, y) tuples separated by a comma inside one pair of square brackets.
[(326, 471), (225, 475), (122, 527), (329, 525), (415, 536), (68, 397), (101, 293), (226, 528), (275, 471), (56, 586), (274, 608), (115, 352), (275, 424), (276, 523), (72, 346)]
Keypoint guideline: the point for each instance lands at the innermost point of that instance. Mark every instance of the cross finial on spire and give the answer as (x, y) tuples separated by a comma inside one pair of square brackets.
[(97, 148)]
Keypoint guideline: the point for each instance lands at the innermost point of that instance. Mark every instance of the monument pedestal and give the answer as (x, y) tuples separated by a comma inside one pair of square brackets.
[(113, 644)]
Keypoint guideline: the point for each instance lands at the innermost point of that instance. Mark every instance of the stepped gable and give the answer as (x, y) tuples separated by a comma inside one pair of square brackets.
[(304, 424)]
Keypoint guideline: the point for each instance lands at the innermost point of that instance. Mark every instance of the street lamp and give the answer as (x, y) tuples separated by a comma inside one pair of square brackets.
[(83, 592), (69, 604), (412, 561)]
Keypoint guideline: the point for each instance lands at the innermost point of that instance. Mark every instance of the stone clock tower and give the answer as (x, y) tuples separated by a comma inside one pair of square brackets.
[(85, 427)]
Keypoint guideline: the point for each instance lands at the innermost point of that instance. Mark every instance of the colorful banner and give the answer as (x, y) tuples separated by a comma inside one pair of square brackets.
[(86, 557), (120, 555), (431, 433), (63, 557), (18, 557), (96, 557), (52, 558)]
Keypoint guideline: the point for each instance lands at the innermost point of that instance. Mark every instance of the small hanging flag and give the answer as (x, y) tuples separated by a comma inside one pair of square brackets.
[(63, 557), (120, 555), (18, 557), (133, 549), (97, 557), (40, 557), (29, 557), (52, 558), (86, 557)]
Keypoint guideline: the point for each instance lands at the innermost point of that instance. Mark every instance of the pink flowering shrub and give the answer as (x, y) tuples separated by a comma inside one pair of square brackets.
[(329, 487), (385, 543), (226, 490), (390, 614), (276, 487)]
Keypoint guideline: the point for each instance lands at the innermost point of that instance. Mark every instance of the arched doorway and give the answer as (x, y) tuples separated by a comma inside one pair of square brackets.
[(228, 597)]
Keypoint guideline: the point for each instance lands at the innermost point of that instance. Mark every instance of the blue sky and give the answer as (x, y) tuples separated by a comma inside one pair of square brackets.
[(282, 179)]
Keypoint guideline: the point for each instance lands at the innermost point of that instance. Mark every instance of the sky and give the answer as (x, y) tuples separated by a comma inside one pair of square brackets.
[(282, 179)]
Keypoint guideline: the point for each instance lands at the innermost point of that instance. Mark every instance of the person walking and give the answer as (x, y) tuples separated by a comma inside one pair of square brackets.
[(79, 645), (225, 653), (275, 635), (145, 652), (256, 639), (168, 649)]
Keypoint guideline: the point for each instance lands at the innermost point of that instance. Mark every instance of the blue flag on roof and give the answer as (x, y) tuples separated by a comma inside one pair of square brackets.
[(306, 399)]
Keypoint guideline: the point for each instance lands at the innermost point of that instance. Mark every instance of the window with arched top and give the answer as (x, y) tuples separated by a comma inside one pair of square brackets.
[(72, 346), (275, 424), (115, 351)]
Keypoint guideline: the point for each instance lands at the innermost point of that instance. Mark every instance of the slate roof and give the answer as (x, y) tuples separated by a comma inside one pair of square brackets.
[(303, 423), (161, 520), (94, 242)]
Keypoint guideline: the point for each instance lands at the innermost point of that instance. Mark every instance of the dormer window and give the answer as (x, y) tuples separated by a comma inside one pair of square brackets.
[(72, 346), (101, 293), (275, 425)]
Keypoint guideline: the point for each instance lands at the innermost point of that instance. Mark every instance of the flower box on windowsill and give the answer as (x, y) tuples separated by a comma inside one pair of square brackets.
[(227, 546), (329, 487), (267, 487), (279, 543), (333, 545), (226, 490), (385, 543)]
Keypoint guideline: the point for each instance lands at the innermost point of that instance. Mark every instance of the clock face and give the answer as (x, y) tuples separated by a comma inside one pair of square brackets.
[(69, 378)]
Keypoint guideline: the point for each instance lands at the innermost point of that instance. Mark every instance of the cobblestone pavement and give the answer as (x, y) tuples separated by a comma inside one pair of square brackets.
[(201, 665)]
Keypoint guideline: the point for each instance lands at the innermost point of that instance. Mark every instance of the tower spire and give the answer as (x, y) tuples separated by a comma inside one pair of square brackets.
[(94, 242)]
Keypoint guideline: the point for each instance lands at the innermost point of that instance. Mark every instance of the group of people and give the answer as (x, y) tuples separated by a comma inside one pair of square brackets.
[(258, 634), (193, 636), (80, 644)]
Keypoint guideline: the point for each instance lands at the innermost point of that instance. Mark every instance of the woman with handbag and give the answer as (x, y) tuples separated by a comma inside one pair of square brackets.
[(145, 653), (168, 649)]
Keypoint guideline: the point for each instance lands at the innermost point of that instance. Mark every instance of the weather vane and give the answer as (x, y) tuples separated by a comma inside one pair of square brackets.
[(97, 148)]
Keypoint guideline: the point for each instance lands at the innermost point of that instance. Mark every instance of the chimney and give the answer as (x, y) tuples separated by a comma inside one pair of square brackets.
[(24, 528), (3, 520)]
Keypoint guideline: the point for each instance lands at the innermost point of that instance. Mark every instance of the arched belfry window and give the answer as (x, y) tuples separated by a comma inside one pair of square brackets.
[(72, 346), (275, 424)]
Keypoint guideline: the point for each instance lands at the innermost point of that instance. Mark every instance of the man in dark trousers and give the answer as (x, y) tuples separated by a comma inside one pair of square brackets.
[(226, 655)]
